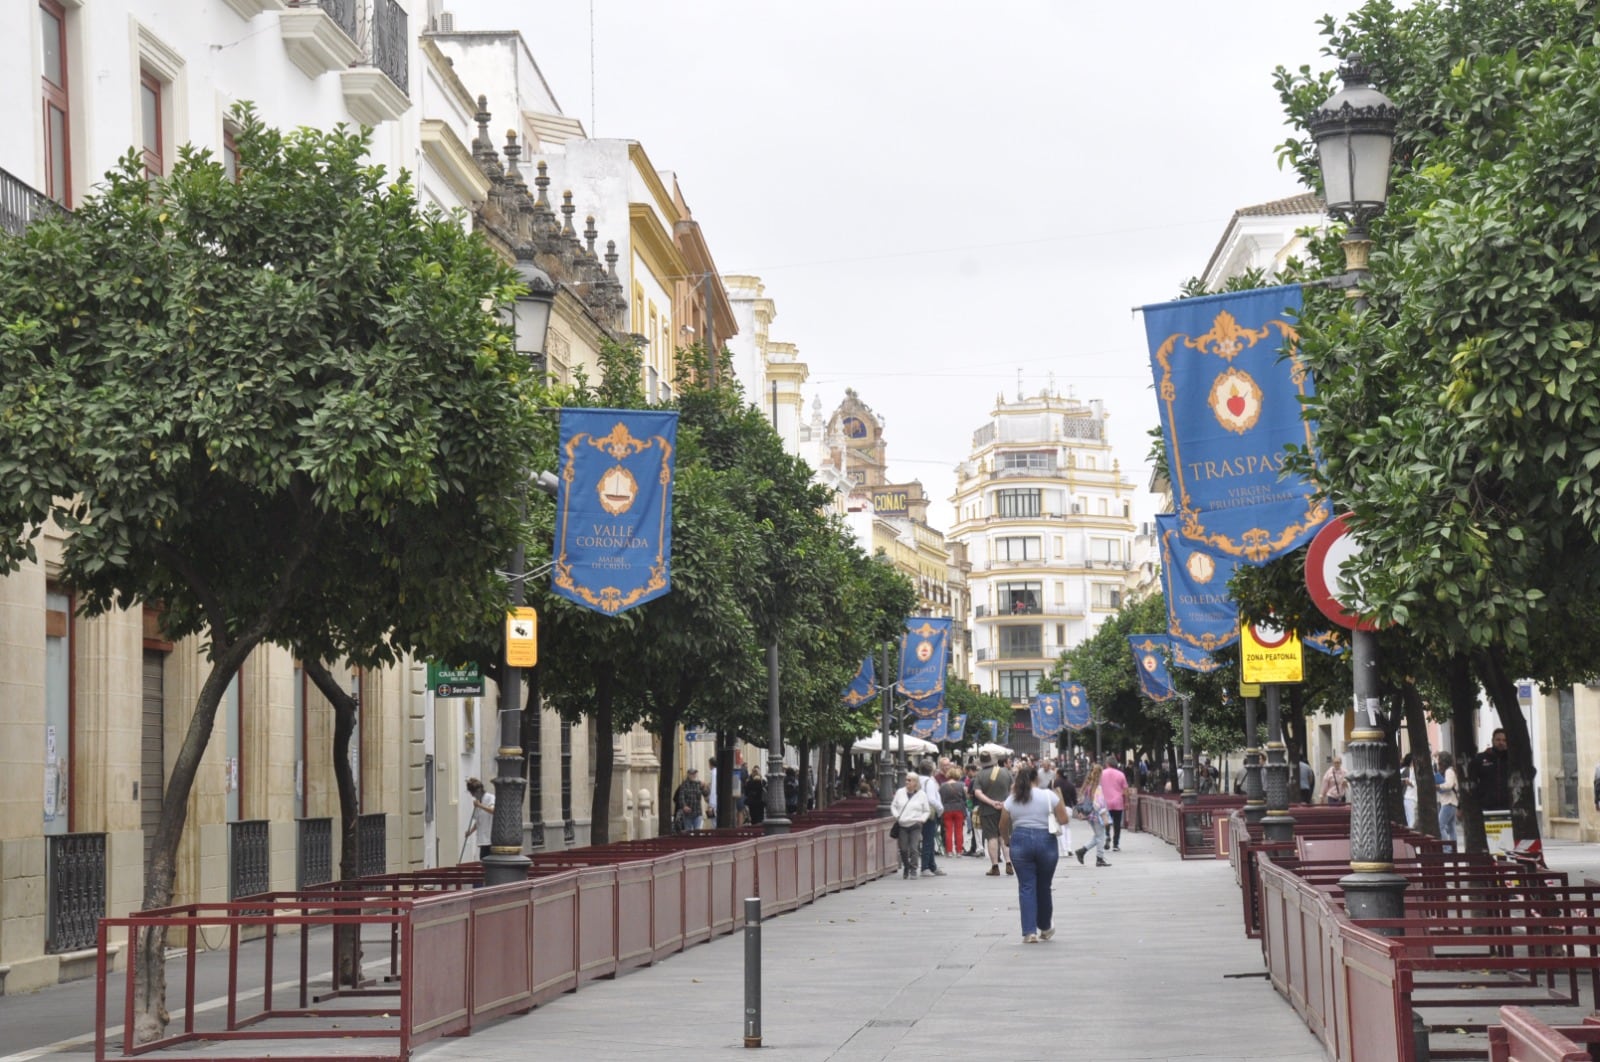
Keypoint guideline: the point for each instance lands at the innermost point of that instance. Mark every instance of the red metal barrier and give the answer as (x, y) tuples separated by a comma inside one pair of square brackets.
[(459, 955)]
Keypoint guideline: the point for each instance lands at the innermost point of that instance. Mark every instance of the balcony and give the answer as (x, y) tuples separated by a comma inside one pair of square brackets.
[(21, 204), (1050, 652), (249, 9), (380, 92), (320, 35)]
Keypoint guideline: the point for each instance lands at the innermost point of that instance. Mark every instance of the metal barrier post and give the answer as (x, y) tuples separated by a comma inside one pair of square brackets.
[(752, 970)]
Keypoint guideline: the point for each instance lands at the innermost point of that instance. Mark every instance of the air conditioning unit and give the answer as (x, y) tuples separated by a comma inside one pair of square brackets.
[(1077, 510), (447, 22), (982, 611)]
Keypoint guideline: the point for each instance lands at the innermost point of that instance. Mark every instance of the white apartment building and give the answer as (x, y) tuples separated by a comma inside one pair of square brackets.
[(1044, 512)]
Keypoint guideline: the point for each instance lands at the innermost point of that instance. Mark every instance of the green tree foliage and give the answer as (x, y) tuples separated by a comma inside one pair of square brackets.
[(273, 407), (1458, 418)]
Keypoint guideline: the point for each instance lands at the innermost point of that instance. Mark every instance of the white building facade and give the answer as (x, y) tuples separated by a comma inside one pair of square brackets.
[(1044, 513)]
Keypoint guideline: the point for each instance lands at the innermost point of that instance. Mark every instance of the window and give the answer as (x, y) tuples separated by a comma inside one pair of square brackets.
[(1016, 504), (58, 712), (1016, 548), (230, 155), (1088, 463), (57, 127), (1020, 685), (1103, 506), (1107, 595), (151, 91), (1024, 641), (652, 383), (1104, 550), (1061, 547), (1061, 634), (1018, 599), (1038, 460)]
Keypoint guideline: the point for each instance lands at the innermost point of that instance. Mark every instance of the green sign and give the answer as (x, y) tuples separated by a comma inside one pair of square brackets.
[(462, 680)]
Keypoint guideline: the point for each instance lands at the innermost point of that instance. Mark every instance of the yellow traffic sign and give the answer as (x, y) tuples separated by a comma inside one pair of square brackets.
[(1249, 689), (522, 637), (1268, 653)]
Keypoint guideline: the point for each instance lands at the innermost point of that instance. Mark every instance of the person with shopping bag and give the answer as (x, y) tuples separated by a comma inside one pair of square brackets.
[(1029, 821)]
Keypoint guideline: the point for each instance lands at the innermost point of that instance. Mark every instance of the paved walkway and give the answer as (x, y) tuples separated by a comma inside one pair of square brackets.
[(935, 968), (1147, 965)]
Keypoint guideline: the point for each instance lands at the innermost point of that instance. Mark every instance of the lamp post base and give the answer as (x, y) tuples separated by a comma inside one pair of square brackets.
[(771, 826), (1255, 811), (1379, 894), (504, 868)]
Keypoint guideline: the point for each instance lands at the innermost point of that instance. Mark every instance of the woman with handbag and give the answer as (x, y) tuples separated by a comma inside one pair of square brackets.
[(1025, 825), (910, 809), (1335, 786), (1092, 807)]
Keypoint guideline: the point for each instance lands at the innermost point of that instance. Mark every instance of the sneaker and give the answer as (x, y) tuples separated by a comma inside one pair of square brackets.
[(937, 872), (994, 871), (1101, 862), (1046, 934), (1031, 938), (916, 873), (1079, 853), (1010, 869), (1116, 848)]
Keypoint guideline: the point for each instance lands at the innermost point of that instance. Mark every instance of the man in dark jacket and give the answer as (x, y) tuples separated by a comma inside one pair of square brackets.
[(1490, 774), (687, 801)]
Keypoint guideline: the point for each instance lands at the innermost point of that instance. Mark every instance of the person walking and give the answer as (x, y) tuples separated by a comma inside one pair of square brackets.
[(953, 795), (1308, 780), (1092, 808), (991, 789), (1335, 784), (688, 801), (1025, 818), (1114, 787), (1069, 800), (755, 796), (1449, 792), (910, 809), (1489, 774), (930, 828), (1408, 795)]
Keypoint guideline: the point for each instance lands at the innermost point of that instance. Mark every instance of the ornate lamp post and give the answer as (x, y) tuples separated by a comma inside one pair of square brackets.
[(1255, 795), (530, 320), (1354, 132)]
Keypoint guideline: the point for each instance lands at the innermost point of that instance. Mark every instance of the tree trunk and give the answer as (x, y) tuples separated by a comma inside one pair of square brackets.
[(149, 959), (604, 757), (1296, 733), (1422, 760), (1502, 687), (727, 814), (1464, 735), (666, 733), (805, 775), (346, 938)]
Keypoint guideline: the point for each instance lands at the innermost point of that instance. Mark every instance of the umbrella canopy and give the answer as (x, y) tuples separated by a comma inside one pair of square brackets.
[(873, 742), (994, 750)]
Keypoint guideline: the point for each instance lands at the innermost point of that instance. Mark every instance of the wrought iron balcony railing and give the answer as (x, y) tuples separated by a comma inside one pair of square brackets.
[(372, 839), (21, 204), (313, 864), (389, 42), (249, 871)]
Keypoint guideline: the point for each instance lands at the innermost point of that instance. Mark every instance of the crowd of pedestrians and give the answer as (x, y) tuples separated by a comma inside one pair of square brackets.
[(1016, 812)]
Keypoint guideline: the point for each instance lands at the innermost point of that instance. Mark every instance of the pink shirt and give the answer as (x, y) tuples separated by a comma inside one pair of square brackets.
[(1114, 784)]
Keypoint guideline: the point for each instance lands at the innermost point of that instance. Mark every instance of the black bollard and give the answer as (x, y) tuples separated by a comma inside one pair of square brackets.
[(752, 970)]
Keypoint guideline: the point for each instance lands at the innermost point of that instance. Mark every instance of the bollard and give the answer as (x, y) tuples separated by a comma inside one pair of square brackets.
[(752, 972)]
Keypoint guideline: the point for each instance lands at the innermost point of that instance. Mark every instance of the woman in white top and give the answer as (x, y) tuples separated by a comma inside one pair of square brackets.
[(911, 809), (1025, 826), (1448, 788), (1408, 795)]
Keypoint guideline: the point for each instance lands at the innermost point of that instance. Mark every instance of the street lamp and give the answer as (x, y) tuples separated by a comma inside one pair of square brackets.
[(1354, 132), (530, 322)]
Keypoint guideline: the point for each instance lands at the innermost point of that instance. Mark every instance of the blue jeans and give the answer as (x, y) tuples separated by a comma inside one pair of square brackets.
[(930, 837), (1034, 855), (1447, 826)]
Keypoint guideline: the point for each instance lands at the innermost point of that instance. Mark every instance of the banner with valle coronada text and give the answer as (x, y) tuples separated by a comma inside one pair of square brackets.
[(1228, 382), (613, 547)]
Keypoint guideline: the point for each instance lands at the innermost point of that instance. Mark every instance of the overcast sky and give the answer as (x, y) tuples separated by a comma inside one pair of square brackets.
[(940, 195)]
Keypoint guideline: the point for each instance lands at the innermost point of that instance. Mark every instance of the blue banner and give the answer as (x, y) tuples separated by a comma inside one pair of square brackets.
[(935, 729), (1046, 715), (613, 547), (994, 729), (1326, 642), (1149, 659), (923, 650), (1200, 613), (957, 730), (860, 690), (1076, 709), (1228, 382), (1191, 659), (926, 707)]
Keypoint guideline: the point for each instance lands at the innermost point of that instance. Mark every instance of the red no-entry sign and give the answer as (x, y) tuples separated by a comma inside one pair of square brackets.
[(1331, 547)]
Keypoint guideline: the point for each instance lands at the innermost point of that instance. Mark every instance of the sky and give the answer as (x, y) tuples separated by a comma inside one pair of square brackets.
[(946, 201)]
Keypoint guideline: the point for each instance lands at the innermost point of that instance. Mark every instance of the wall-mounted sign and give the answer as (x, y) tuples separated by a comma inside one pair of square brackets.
[(463, 680), (891, 502)]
